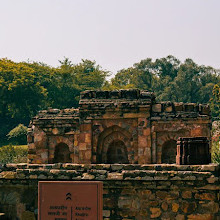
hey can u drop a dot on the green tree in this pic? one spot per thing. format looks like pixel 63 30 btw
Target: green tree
pixel 18 135
pixel 89 76
pixel 22 93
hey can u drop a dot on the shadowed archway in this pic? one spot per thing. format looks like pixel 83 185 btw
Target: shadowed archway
pixel 117 152
pixel 114 146
pixel 62 154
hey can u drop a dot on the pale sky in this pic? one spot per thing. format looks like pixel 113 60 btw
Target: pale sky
pixel 114 33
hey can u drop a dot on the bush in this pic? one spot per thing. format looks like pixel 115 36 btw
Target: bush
pixel 18 135
pixel 13 154
pixel 215 152
pixel 216 141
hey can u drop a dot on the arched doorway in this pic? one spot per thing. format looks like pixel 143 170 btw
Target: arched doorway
pixel 62 154
pixel 169 152
pixel 117 152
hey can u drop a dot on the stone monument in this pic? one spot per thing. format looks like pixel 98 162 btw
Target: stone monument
pixel 124 126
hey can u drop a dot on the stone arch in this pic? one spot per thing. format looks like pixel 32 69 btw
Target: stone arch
pixel 54 141
pixel 169 149
pixel 114 135
pixel 62 153
pixel 163 137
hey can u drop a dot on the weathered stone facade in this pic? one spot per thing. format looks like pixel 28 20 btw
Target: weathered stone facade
pixel 138 192
pixel 125 126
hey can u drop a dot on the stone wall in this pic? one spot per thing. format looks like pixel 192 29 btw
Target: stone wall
pixel 186 192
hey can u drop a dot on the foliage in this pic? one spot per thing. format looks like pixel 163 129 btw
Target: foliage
pixel 26 88
pixel 216 141
pixel 20 90
pixel 215 101
pixel 13 154
pixel 18 135
pixel 215 152
pixel 169 79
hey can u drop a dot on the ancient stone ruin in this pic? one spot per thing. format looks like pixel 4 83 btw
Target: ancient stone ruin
pixel 130 128
pixel 125 126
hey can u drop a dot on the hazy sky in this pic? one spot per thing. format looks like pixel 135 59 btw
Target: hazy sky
pixel 115 33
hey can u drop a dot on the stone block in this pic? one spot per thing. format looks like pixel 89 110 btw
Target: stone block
pixel 8 174
pixel 212 179
pixel 124 202
pixel 204 109
pixel 81 138
pixel 196 132
pixel 102 94
pixel 114 94
pixel 164 206
pixel 187 194
pixel 180 217
pixel 130 94
pixel 190 107
pixel 86 94
pixel 55 131
pixel 142 142
pixel 87 176
pixel 88 138
pixel 147 95
pixel 178 106
pixel 168 108
pixel 88 156
pixel 210 207
pixel 155 212
pixel 82 146
pixel 175 207
pixel 161 194
pixel 106 213
pixel 200 217
pixel 115 176
pixel 157 108
pixel 146 132
pixel 188 207
pixel 205 196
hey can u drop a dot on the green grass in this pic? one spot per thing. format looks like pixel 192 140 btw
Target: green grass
pixel 13 154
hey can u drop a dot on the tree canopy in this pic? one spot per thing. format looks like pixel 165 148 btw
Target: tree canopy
pixel 169 79
pixel 27 87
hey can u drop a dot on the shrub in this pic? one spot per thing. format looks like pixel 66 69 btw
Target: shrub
pixel 18 135
pixel 216 142
pixel 13 154
pixel 215 152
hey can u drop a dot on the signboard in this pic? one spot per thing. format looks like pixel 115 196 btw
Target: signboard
pixel 69 200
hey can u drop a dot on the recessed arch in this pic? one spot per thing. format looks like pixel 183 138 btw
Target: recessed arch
pixel 118 136
pixel 62 153
pixel 117 152
pixel 165 136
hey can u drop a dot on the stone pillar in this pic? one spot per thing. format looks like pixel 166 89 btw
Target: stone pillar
pixel 85 142
pixel 144 141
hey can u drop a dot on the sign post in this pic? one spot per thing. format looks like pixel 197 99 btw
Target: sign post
pixel 70 200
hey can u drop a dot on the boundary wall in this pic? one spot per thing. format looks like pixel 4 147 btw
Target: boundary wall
pixel 142 192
